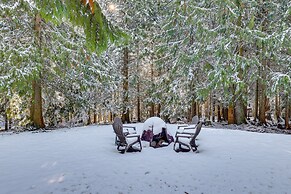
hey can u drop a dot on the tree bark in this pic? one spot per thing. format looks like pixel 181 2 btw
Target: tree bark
pixel 262 89
pixel 287 113
pixel 277 108
pixel 138 89
pixel 219 113
pixel 95 118
pixel 89 117
pixel 240 106
pixel 36 105
pixel 6 120
pixel 262 97
pixel 125 111
pixel 152 105
pixel 159 110
pixel 225 113
pixel 256 104
pixel 230 114
pixel 36 101
pixel 240 116
pixel 138 103
pixel 193 110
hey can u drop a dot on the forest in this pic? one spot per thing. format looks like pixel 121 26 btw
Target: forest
pixel 79 62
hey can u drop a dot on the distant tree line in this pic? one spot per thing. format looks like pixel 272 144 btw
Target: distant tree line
pixel 72 62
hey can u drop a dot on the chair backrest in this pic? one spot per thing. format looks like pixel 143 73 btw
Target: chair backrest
pixel 198 129
pixel 118 129
pixel 195 120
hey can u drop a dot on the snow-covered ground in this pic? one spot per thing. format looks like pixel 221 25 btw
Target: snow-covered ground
pixel 85 160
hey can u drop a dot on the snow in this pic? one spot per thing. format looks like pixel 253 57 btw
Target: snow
pixel 154 123
pixel 85 160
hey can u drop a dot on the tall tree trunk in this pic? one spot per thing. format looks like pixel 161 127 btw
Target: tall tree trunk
pixel 287 112
pixel 277 108
pixel 212 109
pixel 89 117
pixel 240 106
pixel 262 96
pixel 125 111
pixel 152 109
pixel 95 118
pixel 219 113
pixel 138 103
pixel 36 101
pixel 256 104
pixel 198 110
pixel 6 120
pixel 4 109
pixel 225 113
pixel 263 69
pixel 152 105
pixel 240 116
pixel 159 110
pixel 231 107
pixel 36 104
pixel 230 114
pixel 138 89
pixel 193 109
pixel 209 108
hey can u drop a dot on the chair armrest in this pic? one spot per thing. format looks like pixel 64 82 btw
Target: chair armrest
pixel 180 126
pixel 132 135
pixel 187 133
pixel 184 136
pixel 129 129
pixel 187 128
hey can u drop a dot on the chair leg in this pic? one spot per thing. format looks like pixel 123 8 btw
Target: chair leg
pixel 174 148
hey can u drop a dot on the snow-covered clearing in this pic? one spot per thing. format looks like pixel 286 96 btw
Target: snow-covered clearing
pixel 85 160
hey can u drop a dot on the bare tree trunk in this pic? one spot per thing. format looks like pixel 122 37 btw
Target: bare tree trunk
pixel 36 105
pixel 36 101
pixel 287 113
pixel 239 104
pixel 152 105
pixel 231 107
pixel 212 109
pixel 193 110
pixel 4 110
pixel 138 103
pixel 138 90
pixel 225 113
pixel 262 98
pixel 138 109
pixel 262 89
pixel 159 110
pixel 277 108
pixel 6 121
pixel 95 118
pixel 209 108
pixel 110 116
pixel 152 109
pixel 89 117
pixel 125 111
pixel 256 104
pixel 230 114
pixel 240 116
pixel 218 113
pixel 198 110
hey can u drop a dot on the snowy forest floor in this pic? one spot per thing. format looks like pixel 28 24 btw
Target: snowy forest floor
pixel 85 160
pixel 252 128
